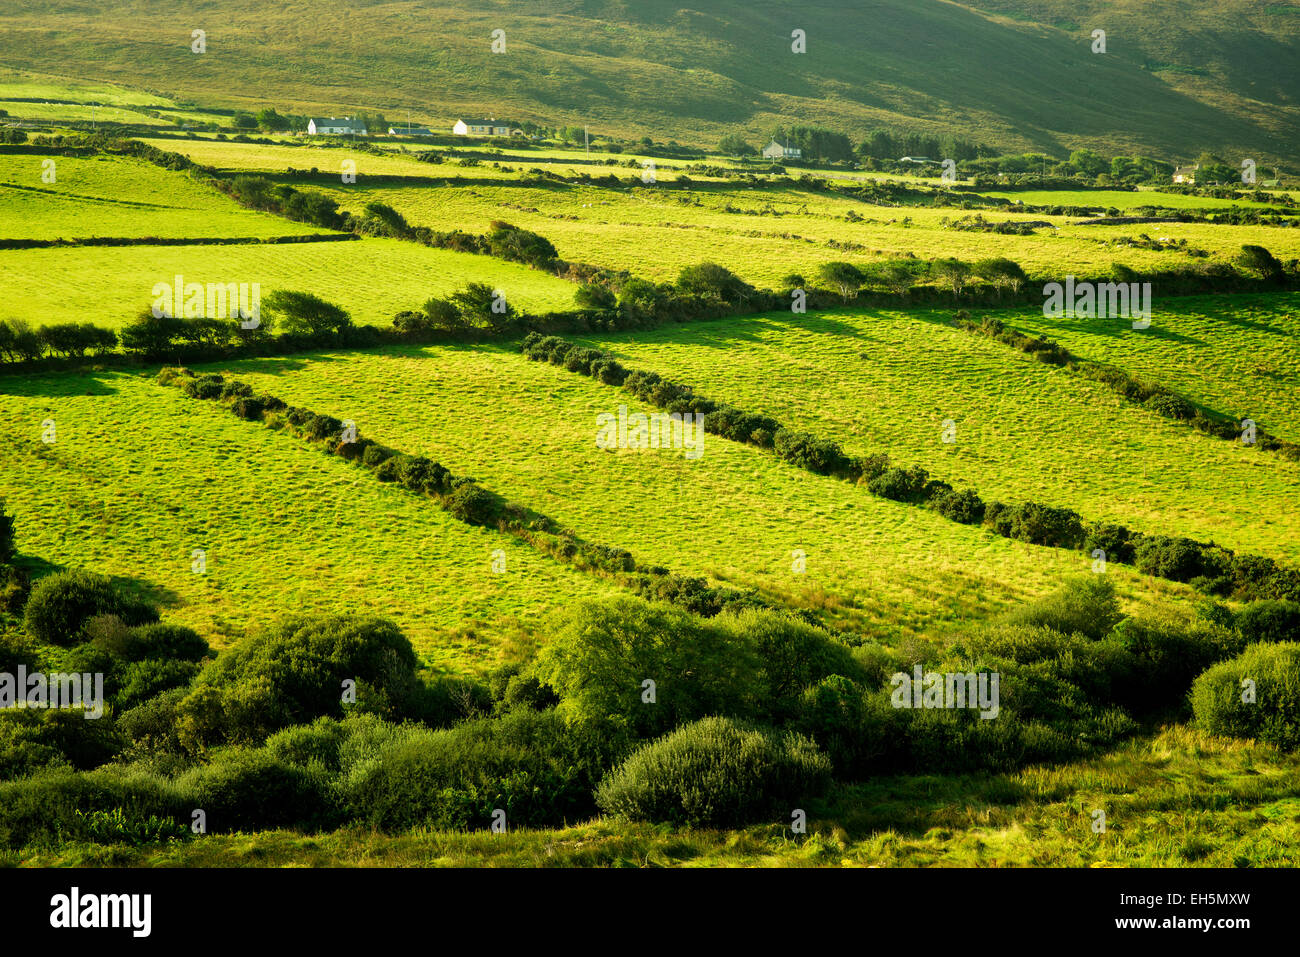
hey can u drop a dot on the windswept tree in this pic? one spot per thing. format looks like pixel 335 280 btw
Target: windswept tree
pixel 952 273
pixel 1001 273
pixel 484 306
pixel 304 314
pixel 845 277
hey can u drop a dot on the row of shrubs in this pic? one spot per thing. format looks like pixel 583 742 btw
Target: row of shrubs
pixel 1205 565
pixel 749 715
pixel 463 497
pixel 1155 397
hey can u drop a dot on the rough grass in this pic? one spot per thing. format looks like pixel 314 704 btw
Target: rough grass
pixel 886 381
pixel 140 475
pixel 373 279
pixel 1237 355
pixel 121 197
pixel 528 431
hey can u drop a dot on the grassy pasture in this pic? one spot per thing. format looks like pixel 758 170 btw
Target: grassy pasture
pixel 140 475
pixel 885 381
pixel 373 279
pixel 763 234
pixel 1119 199
pixel 735 514
pixel 1237 355
pixel 121 197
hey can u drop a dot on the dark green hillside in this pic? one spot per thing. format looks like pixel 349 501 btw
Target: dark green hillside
pixel 1179 77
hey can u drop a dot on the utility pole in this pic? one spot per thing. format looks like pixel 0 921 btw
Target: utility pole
pixel 586 142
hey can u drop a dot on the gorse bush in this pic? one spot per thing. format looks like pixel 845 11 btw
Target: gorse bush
pixel 1085 605
pixel 717 773
pixel 1256 695
pixel 61 604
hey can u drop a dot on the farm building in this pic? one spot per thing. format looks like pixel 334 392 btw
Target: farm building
pixel 775 150
pixel 481 128
pixel 1186 174
pixel 409 131
pixel 336 126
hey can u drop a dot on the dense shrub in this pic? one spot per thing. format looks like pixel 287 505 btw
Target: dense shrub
pixel 472 503
pixel 53 805
pixel 61 604
pixel 1181 559
pixel 1036 523
pixel 900 484
pixel 717 773
pixel 1223 703
pixel 536 767
pixel 809 452
pixel 6 534
pixel 1269 621
pixel 243 790
pixel 599 656
pixel 32 739
pixel 964 506
pixel 293 672
pixel 1116 541
pixel 1086 605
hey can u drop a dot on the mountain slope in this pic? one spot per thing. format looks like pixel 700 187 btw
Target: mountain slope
pixel 1178 77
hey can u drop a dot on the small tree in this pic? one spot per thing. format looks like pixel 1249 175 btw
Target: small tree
pixel 481 305
pixel 1001 273
pixel 1260 260
pixel 845 277
pixel 951 272
pixel 302 313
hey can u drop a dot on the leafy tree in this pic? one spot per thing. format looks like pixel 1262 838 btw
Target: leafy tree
pixel 845 277
pixel 303 313
pixel 595 296
pixel 61 604
pixel 951 272
pixel 711 281
pixel 483 306
pixel 269 119
pixel 1001 273
pixel 1260 260
pixel 151 336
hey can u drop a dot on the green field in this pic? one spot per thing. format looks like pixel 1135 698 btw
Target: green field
pixel 1238 357
pixel 104 468
pixel 121 197
pixel 374 279
pixel 528 431
pixel 139 476
pixel 885 381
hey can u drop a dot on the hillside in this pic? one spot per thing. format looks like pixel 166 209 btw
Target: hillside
pixel 1178 77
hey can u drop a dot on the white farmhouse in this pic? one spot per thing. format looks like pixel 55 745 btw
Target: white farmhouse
pixel 480 128
pixel 336 126
pixel 775 150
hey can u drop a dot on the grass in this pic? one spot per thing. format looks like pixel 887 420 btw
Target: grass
pixel 1236 355
pixel 766 233
pixel 373 279
pixel 879 380
pixel 736 514
pixel 1176 798
pixel 121 197
pixel 140 475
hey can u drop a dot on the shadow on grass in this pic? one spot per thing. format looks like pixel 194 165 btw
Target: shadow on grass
pixel 37 568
